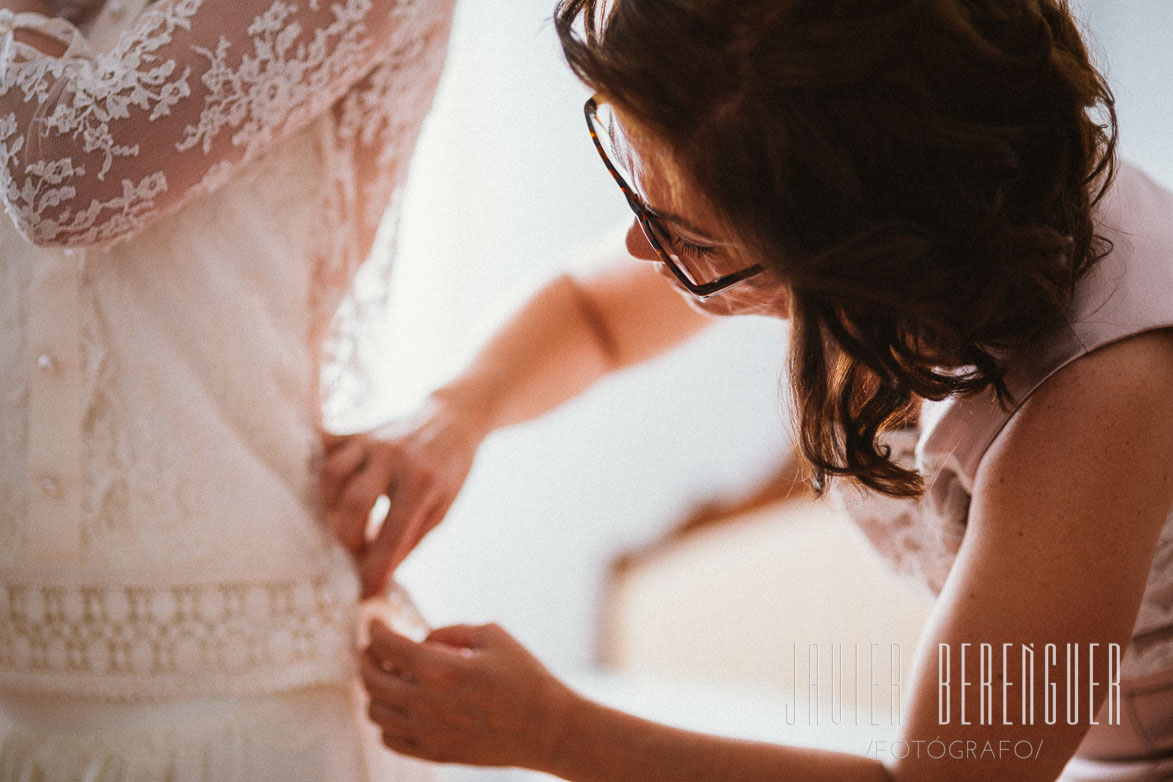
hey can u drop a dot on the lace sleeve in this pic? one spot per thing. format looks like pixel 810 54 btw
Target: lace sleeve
pixel 95 145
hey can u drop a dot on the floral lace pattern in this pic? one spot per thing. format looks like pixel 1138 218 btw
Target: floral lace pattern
pixel 255 98
pixel 153 642
pixel 897 527
pixel 81 136
pixel 227 166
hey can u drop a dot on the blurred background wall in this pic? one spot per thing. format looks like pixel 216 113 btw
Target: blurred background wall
pixel 507 191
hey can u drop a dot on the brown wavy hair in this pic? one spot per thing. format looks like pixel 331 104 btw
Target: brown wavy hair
pixel 921 174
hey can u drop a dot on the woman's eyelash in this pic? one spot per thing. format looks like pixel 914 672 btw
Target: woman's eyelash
pixel 695 250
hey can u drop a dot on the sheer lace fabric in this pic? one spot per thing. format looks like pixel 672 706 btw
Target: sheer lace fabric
pixel 96 144
pixel 192 187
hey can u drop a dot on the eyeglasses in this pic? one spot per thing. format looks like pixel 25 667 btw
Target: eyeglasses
pixel 696 266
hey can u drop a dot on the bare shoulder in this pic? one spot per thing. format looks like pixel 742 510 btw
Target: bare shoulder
pixel 1066 513
pixel 1131 379
pixel 1131 363
pixel 1095 439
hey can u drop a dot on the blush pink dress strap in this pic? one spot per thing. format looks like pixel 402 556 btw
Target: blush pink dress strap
pixel 1129 292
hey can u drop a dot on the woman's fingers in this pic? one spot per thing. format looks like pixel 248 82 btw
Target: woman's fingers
pixel 386 684
pixel 411 505
pixel 390 696
pixel 390 649
pixel 388 716
pixel 418 462
pixel 461 636
pixel 340 463
pixel 353 479
pixel 331 441
pixel 406 674
pixel 467 694
pixel 411 688
pixel 352 511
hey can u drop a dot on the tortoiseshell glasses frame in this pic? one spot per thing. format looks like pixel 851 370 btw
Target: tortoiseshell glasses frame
pixel 652 227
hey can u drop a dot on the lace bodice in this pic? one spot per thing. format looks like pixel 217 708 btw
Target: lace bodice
pixel 95 144
pixel 1128 292
pixel 192 188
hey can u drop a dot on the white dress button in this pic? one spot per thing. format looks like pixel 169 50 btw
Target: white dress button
pixel 46 363
pixel 51 487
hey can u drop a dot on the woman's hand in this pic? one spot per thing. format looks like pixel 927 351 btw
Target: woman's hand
pixel 418 462
pixel 470 695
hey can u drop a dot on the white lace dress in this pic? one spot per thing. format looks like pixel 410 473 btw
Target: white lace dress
pixel 192 186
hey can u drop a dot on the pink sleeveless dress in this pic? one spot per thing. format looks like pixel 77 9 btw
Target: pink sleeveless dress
pixel 1129 292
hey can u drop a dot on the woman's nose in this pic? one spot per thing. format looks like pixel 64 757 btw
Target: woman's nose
pixel 638 245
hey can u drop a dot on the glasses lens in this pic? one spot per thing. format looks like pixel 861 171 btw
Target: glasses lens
pixel 614 144
pixel 700 261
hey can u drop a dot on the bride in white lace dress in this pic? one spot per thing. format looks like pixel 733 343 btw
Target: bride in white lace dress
pixel 192 185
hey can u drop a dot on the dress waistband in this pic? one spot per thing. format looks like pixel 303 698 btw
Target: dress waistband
pixel 140 642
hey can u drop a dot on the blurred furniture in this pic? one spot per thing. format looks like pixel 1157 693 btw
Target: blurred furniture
pixel 723 624
pixel 779 595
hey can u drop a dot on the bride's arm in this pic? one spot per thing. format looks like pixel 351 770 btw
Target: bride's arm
pixel 95 145
pixel 30 35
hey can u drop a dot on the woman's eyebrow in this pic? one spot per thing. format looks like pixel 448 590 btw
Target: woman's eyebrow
pixel 687 226
pixel 669 217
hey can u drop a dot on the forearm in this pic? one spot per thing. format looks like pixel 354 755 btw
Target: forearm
pixel 599 744
pixel 546 353
pixel 27 6
pixel 33 38
pixel 569 335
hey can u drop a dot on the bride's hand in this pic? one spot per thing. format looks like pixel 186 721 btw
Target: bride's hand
pixel 470 695
pixel 418 462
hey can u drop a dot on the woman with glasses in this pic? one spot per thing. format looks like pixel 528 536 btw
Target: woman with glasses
pixel 981 354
